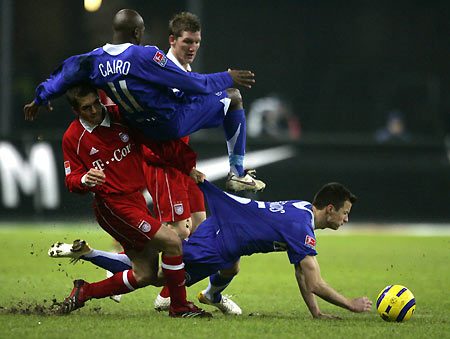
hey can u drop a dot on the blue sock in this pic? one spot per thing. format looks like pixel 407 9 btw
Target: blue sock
pixel 113 262
pixel 217 284
pixel 234 126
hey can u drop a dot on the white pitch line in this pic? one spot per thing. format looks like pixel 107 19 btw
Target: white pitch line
pixel 218 168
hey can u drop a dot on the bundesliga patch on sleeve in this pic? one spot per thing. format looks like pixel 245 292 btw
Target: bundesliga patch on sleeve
pixel 67 167
pixel 310 242
pixel 160 59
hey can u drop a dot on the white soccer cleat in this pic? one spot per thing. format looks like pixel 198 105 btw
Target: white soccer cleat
pixel 226 305
pixel 116 298
pixel 73 251
pixel 161 303
pixel 246 183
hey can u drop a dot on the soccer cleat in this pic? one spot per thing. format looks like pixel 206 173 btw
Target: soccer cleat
pixel 74 251
pixel 226 305
pixel 116 297
pixel 190 311
pixel 246 183
pixel 76 299
pixel 161 303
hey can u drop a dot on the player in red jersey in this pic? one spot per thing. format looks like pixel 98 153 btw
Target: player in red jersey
pixel 102 156
pixel 176 197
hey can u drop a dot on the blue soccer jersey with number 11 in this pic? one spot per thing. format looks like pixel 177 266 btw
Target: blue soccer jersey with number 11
pixel 139 79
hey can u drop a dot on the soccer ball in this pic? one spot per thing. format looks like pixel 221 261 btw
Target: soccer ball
pixel 396 303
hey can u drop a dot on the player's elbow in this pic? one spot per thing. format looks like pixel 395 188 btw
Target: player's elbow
pixel 315 287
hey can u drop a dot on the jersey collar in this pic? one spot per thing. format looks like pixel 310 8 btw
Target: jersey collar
pixel 172 57
pixel 116 49
pixel 106 123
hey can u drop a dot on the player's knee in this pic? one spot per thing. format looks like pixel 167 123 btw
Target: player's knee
pixel 182 228
pixel 236 99
pixel 183 232
pixel 172 245
pixel 146 278
pixel 230 271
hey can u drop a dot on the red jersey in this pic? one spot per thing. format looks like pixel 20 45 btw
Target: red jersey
pixel 108 147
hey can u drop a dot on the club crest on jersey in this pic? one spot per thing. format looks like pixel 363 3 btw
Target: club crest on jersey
pixel 277 206
pixel 178 208
pixel 124 137
pixel 310 242
pixel 160 59
pixel 144 226
pixel 67 167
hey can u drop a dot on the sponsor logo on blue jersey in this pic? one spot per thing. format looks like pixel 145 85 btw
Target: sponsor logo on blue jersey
pixel 160 59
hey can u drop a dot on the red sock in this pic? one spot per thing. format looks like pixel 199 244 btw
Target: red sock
pixel 173 269
pixel 164 292
pixel 119 283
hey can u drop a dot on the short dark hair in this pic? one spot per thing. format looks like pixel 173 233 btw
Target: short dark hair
pixel 79 91
pixel 184 22
pixel 335 194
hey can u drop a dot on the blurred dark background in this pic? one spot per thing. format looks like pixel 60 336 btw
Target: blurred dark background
pixel 362 87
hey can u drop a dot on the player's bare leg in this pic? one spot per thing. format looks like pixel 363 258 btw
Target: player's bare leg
pixel 182 228
pixel 197 219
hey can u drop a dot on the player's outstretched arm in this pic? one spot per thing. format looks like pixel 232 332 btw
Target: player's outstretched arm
pixel 308 296
pixel 316 285
pixel 32 109
pixel 242 78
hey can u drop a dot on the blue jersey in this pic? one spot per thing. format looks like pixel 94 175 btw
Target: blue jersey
pixel 240 226
pixel 138 79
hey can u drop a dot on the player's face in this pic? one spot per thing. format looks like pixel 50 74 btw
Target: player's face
pixel 337 218
pixel 186 46
pixel 90 109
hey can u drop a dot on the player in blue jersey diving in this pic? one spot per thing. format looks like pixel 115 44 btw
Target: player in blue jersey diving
pixel 140 80
pixel 240 226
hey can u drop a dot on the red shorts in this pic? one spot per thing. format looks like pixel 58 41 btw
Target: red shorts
pixel 126 218
pixel 175 195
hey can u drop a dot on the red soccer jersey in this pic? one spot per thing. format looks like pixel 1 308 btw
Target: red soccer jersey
pixel 108 147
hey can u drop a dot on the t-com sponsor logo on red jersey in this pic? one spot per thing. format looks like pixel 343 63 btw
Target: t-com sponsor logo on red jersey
pixel 118 155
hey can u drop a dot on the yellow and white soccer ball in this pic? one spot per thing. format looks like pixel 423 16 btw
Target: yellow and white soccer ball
pixel 396 303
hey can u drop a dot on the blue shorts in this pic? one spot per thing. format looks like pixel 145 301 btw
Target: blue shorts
pixel 193 112
pixel 201 253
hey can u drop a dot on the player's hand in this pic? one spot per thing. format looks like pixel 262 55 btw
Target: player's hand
pixel 196 175
pixel 32 109
pixel 361 304
pixel 326 316
pixel 242 78
pixel 95 177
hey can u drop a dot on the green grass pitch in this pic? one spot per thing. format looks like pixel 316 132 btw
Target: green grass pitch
pixel 266 290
